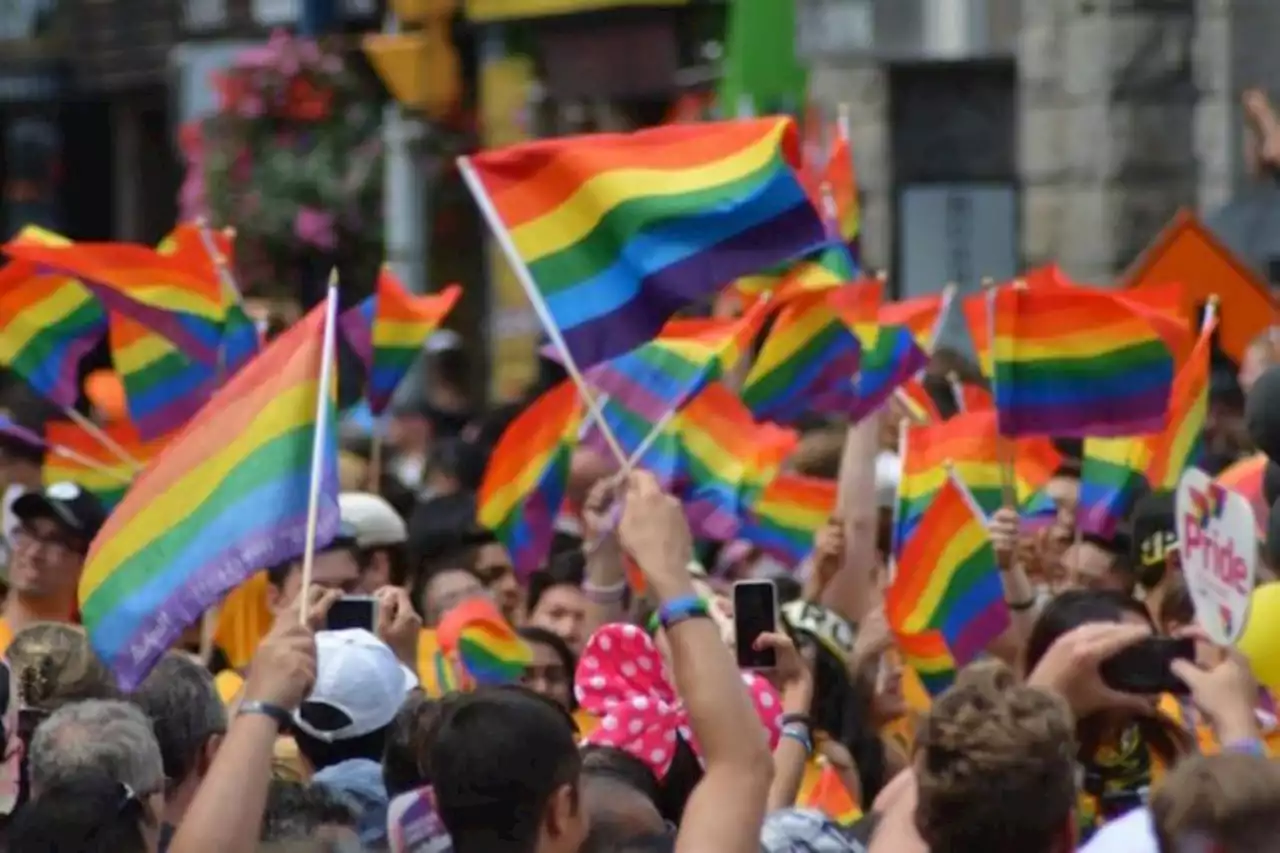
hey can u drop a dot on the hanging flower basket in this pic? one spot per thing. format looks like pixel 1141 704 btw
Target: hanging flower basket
pixel 292 159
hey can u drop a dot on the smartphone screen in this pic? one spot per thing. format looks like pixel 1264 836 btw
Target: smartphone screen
pixel 755 612
pixel 1144 667
pixel 352 611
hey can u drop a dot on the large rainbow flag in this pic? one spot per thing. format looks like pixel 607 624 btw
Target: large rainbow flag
pixel 619 231
pixel 227 498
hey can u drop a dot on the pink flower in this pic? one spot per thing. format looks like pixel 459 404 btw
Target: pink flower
pixel 316 228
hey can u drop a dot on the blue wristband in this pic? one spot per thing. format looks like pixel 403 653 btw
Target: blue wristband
pixel 799 733
pixel 1250 746
pixel 677 610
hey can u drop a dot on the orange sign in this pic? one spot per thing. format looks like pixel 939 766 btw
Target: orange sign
pixel 1185 252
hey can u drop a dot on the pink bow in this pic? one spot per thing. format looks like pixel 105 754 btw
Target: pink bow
pixel 621 680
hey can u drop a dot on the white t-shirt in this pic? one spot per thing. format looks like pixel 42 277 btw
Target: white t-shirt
pixel 1132 833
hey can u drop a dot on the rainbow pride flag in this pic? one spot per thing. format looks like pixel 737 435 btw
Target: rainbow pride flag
pixel 893 360
pixel 163 388
pixel 821 788
pixel 225 499
pixel 1037 512
pixel 786 516
pixel 1112 472
pixel 48 323
pixel 977 454
pixel 808 356
pixel 927 655
pixel 95 468
pixel 947 579
pixel 827 268
pixel 1181 443
pixel 1077 362
pixel 177 295
pixel 388 329
pixel 476 635
pixel 619 231
pixel 524 483
pixel 843 181
pixel 922 316
pixel 919 403
pixel 660 376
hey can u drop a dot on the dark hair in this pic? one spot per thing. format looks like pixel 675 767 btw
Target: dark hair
pixel 279 573
pixel 457 459
pixel 565 569
pixel 404 759
pixel 398 562
pixel 1075 607
pixel 322 754
pixel 498 757
pixel 296 810
pixel 185 710
pixel 553 641
pixel 90 814
pixel 841 707
pixel 618 764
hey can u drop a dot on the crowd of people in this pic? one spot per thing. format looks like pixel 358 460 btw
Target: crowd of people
pixel 632 728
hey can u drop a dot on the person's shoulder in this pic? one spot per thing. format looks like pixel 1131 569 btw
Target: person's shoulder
pixel 1133 833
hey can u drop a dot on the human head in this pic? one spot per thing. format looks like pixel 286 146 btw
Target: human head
pixel 87 812
pixel 408 744
pixel 995 767
pixel 359 688
pixel 381 540
pixel 1154 540
pixel 493 566
pixel 506 770
pixel 188 718
pixel 53 534
pixel 111 737
pixel 550 673
pixel 52 665
pixel 444 583
pixel 1227 803
pixel 556 600
pixel 1099 564
pixel 297 812
pixel 336 566
pixel 619 796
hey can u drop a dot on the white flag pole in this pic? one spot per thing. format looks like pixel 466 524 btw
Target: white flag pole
pixel 320 439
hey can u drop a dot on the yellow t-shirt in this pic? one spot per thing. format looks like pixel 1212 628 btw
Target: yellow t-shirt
pixel 6 636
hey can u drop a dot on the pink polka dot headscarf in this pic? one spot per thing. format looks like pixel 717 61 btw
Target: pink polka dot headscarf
pixel 621 680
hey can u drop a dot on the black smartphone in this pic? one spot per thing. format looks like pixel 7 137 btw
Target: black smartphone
pixel 352 611
pixel 755 612
pixel 1144 667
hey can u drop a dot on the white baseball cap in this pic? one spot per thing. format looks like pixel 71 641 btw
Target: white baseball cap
pixel 374 520
pixel 359 676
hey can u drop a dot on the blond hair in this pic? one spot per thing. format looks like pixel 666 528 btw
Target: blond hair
pixel 54 665
pixel 995 766
pixel 1231 801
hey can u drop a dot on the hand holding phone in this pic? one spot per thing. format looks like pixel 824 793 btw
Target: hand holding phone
pixel 1144 667
pixel 755 612
pixel 353 611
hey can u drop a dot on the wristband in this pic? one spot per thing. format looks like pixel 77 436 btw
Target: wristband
pixel 1249 746
pixel 803 719
pixel 282 717
pixel 799 733
pixel 1021 606
pixel 614 593
pixel 677 610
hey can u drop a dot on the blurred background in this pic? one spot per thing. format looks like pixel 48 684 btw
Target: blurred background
pixel 989 135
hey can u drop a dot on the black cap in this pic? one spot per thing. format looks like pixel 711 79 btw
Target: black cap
pixel 1155 530
pixel 345 539
pixel 68 504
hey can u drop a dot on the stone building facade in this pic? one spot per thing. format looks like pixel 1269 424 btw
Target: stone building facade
pixel 1121 111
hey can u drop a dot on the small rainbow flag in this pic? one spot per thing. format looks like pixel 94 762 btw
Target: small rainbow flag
pixel 1245 478
pixel 484 643
pixel 922 315
pixel 662 375
pixel 947 579
pixel 1077 362
pixel 48 323
pixel 176 295
pixel 893 360
pixel 786 516
pixel 226 497
pixel 1182 442
pixel 1112 471
pixel 821 788
pixel 387 331
pixel 829 267
pixel 843 181
pixel 977 455
pixel 919 403
pixel 163 388
pixel 1038 512
pixel 524 483
pixel 809 354
pixel 95 468
pixel 927 655
pixel 619 231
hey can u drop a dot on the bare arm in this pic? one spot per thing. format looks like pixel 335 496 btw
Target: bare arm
pixel 851 592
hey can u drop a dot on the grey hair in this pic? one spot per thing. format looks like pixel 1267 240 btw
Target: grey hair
pixel 109 737
pixel 185 710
